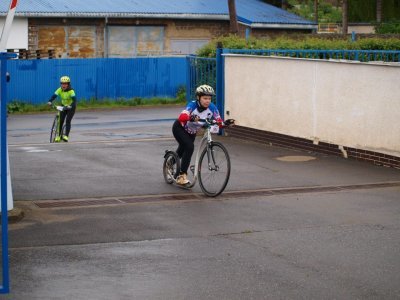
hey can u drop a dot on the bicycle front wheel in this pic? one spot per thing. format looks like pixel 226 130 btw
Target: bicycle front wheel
pixel 53 131
pixel 214 169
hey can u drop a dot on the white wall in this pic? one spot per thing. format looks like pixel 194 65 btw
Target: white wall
pixel 367 29
pixel 18 38
pixel 345 103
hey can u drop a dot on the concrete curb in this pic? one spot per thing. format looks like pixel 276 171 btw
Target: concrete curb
pixel 15 215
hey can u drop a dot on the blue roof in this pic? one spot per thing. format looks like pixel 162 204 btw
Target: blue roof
pixel 248 11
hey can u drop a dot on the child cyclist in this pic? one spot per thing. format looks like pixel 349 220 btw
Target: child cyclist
pixel 187 125
pixel 68 99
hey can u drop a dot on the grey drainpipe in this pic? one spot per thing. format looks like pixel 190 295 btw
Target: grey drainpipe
pixel 105 37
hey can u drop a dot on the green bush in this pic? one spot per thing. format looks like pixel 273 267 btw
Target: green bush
pixel 15 106
pixel 21 107
pixel 307 43
pixel 181 94
pixel 388 27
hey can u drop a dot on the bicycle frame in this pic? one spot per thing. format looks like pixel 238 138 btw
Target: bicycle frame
pixel 205 141
pixel 59 109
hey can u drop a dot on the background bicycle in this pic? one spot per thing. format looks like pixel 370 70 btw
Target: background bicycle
pixel 56 123
pixel 212 165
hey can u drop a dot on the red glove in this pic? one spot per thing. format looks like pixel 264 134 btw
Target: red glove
pixel 183 117
pixel 220 122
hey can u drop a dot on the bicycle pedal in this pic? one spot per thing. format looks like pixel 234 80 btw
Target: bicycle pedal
pixel 185 187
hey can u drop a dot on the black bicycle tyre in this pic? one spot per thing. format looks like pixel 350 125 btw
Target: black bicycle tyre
pixel 206 189
pixel 53 131
pixel 171 157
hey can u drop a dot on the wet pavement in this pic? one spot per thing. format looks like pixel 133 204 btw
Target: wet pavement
pixel 101 223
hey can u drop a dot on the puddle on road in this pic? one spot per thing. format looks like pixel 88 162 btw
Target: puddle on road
pixel 295 158
pixel 36 150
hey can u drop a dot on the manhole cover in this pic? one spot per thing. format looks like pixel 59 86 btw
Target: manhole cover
pixel 296 158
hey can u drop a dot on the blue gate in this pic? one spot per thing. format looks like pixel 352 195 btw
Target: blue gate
pixel 5 287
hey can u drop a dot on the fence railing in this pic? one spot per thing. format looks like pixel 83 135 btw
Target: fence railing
pixel 201 70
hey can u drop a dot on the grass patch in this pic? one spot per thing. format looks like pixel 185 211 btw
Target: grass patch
pixel 19 107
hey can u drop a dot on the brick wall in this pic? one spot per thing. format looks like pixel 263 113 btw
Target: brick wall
pixel 282 140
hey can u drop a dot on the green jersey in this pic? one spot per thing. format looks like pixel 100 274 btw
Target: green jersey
pixel 65 96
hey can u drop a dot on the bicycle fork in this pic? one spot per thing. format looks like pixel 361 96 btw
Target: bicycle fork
pixel 212 165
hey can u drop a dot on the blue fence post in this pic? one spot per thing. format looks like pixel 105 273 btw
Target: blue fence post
pixel 247 33
pixel 5 287
pixel 220 79
pixel 189 59
pixel 353 36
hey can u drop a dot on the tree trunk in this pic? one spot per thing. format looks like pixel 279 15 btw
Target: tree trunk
pixel 234 28
pixel 316 11
pixel 379 11
pixel 345 7
pixel 284 4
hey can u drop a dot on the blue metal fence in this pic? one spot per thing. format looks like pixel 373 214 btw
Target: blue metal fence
pixel 34 81
pixel 201 70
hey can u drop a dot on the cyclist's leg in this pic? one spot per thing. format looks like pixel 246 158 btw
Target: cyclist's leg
pixel 61 118
pixel 186 145
pixel 70 115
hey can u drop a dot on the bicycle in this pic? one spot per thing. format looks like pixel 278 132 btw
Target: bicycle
pixel 54 128
pixel 212 165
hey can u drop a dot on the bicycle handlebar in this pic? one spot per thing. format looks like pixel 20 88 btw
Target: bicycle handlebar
pixel 210 122
pixel 60 107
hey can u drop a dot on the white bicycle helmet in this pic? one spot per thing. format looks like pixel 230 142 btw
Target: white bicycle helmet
pixel 205 90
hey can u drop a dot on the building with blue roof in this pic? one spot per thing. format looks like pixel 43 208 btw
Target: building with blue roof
pixel 125 28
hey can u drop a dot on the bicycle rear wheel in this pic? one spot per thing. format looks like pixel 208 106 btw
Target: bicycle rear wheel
pixel 53 131
pixel 171 166
pixel 214 169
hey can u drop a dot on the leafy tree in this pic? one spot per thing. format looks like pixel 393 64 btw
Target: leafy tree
pixel 326 12
pixel 330 11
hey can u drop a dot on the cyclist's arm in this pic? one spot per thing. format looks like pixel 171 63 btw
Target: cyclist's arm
pixel 216 115
pixel 73 104
pixel 52 98
pixel 186 113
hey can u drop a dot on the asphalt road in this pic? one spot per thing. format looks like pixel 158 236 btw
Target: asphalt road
pixel 100 223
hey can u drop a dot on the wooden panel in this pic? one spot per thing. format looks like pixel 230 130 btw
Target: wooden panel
pixel 81 41
pixel 68 41
pixel 52 37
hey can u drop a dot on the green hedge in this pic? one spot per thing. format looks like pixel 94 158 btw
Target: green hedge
pixel 308 43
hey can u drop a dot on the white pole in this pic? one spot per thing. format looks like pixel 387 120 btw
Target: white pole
pixel 7 25
pixel 3 45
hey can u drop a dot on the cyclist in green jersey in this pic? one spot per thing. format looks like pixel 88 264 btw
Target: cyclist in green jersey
pixel 68 99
